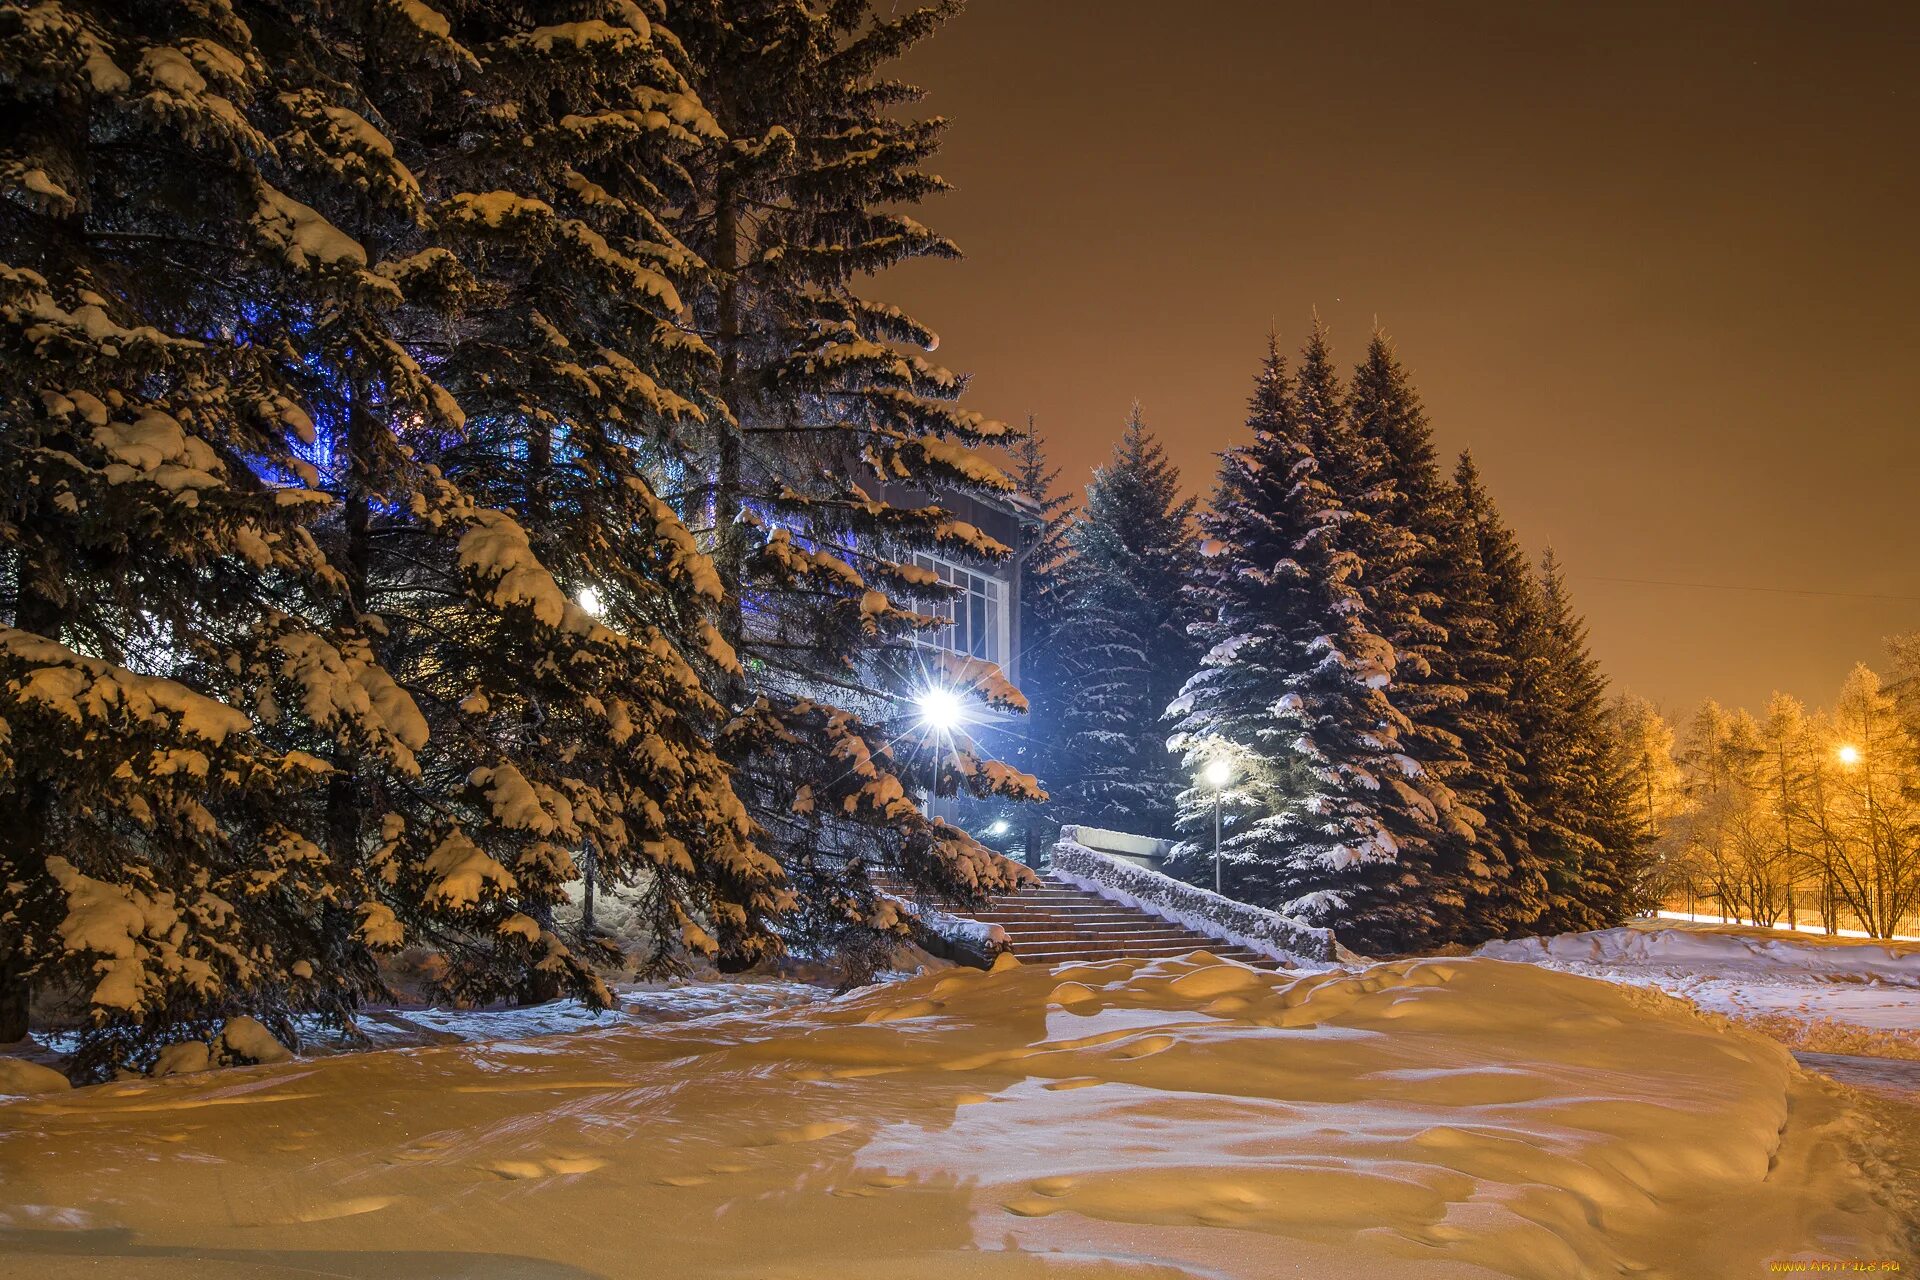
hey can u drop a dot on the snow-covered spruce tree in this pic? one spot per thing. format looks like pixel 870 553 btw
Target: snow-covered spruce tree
pixel 1574 846
pixel 822 478
pixel 1429 603
pixel 1589 829
pixel 496 431
pixel 1127 613
pixel 1506 702
pixel 1046 642
pixel 1476 657
pixel 160 858
pixel 1291 695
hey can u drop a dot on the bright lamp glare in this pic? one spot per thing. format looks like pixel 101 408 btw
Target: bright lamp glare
pixel 1849 754
pixel 1219 773
pixel 998 827
pixel 590 601
pixel 940 710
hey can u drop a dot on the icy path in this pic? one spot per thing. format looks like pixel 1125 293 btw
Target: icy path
pixel 1895 1078
pixel 1431 1119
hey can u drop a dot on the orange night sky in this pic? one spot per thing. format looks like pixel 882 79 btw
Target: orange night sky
pixel 1654 264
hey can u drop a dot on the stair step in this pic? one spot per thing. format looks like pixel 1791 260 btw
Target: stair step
pixel 1085 913
pixel 1055 923
pixel 1175 946
pixel 1140 933
pixel 1124 952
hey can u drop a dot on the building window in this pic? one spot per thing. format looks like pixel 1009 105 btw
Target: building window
pixel 978 623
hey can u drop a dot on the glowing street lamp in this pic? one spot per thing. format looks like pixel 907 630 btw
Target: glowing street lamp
pixel 1218 774
pixel 940 709
pixel 590 601
pixel 1849 754
pixel 998 827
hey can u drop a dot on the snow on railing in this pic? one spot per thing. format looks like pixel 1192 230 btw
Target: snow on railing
pixel 1200 910
pixel 951 937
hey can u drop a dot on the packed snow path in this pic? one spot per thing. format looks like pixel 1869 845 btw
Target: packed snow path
pixel 1179 1117
pixel 1815 994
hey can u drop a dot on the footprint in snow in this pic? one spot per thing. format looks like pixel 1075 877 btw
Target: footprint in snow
pixel 520 1170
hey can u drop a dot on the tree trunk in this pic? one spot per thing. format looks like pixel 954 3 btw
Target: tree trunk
pixel 25 838
pixel 729 551
pixel 590 883
pixel 344 816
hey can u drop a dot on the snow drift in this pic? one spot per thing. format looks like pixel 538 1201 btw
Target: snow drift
pixel 1813 994
pixel 1191 1117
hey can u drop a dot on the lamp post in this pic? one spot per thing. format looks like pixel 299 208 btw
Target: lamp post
pixel 1219 773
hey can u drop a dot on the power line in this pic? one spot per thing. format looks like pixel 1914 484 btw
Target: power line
pixel 1726 586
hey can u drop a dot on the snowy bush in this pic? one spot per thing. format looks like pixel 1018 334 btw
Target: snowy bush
pixel 1198 909
pixel 244 1042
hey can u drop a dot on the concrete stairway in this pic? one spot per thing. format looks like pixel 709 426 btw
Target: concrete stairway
pixel 1055 923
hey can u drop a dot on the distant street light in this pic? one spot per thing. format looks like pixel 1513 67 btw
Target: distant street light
pixel 590 601
pixel 998 827
pixel 1849 754
pixel 1218 775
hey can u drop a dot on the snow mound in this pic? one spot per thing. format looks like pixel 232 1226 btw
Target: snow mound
pixel 18 1076
pixel 1457 1118
pixel 182 1058
pixel 244 1040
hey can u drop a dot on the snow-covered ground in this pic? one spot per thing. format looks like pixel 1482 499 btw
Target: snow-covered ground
pixel 399 1027
pixel 1781 927
pixel 1821 995
pixel 1439 1119
pixel 640 1003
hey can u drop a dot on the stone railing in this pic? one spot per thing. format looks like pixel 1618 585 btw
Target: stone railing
pixel 1200 910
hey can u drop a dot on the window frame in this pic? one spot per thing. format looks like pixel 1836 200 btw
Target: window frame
pixel 992 620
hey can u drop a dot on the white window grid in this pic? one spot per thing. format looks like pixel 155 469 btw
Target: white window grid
pixel 978 623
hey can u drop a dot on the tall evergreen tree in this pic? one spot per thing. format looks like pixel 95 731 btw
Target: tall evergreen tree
pixel 302 751
pixel 1426 593
pixel 1046 643
pixel 1490 787
pixel 163 859
pixel 1594 842
pixel 583 395
pixel 820 481
pixel 1507 704
pixel 1569 828
pixel 1291 696
pixel 1127 617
